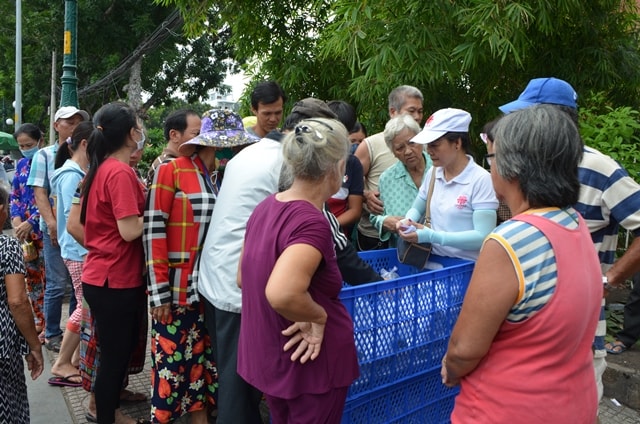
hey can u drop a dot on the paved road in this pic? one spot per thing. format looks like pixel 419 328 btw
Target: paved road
pixel 67 406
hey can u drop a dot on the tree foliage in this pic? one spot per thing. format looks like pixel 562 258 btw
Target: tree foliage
pixel 614 130
pixel 109 32
pixel 473 54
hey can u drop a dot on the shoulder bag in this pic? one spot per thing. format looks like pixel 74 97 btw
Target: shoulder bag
pixel 417 254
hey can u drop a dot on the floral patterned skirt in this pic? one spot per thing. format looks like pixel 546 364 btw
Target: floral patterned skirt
pixel 184 377
pixel 35 284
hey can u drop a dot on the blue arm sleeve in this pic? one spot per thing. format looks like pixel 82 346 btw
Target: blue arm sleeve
pixel 484 221
pixel 417 210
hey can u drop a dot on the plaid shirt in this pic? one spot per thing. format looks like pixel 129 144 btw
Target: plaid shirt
pixel 41 173
pixel 176 220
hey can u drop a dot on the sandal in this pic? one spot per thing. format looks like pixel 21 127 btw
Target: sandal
pixel 615 348
pixel 67 381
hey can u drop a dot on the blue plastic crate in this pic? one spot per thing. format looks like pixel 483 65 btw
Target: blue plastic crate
pixel 402 326
pixel 388 258
pixel 422 399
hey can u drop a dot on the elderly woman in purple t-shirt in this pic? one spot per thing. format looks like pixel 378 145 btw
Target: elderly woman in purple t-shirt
pixel 296 337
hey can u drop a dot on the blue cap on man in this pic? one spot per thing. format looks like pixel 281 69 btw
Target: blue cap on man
pixel 544 91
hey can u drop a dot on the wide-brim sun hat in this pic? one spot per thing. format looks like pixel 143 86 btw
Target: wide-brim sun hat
pixel 442 122
pixel 220 128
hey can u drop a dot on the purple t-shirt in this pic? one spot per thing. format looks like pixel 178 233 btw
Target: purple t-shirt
pixel 273 227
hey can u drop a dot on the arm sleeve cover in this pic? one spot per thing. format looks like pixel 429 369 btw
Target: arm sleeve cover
pixel 417 210
pixel 484 221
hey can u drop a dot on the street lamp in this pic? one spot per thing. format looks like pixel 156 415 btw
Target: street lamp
pixel 69 93
pixel 8 122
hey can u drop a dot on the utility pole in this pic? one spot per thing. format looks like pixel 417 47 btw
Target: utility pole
pixel 69 95
pixel 52 101
pixel 17 104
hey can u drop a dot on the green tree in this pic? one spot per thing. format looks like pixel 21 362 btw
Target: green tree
pixel 113 33
pixel 474 54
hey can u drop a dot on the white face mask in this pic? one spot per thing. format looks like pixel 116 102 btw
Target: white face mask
pixel 140 144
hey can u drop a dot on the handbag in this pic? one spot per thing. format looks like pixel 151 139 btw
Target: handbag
pixel 417 254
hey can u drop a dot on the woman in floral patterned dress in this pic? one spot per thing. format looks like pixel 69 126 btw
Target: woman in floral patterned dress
pixel 25 218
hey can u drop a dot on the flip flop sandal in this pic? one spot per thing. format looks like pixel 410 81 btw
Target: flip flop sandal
pixel 65 381
pixel 90 418
pixel 615 348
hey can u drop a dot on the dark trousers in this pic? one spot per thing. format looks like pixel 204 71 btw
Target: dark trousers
pixel 630 333
pixel 238 401
pixel 116 314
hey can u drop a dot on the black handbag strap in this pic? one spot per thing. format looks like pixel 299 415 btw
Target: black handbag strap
pixel 427 213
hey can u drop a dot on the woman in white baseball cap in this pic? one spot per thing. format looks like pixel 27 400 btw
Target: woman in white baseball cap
pixel 463 202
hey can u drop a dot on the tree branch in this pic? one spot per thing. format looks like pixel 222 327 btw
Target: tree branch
pixel 164 31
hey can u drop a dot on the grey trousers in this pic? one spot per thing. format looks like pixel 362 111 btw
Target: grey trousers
pixel 238 401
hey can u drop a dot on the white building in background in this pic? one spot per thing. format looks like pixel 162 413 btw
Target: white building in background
pixel 220 101
pixel 237 83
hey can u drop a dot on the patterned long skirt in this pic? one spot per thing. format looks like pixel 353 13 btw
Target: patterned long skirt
pixel 14 405
pixel 184 377
pixel 90 349
pixel 35 284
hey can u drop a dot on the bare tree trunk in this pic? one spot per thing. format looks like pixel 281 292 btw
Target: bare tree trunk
pixel 134 88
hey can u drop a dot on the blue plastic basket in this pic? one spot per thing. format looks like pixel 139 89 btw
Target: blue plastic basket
pixel 421 400
pixel 402 326
pixel 388 258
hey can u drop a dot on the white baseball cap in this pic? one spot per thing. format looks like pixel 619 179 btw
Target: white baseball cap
pixel 68 111
pixel 442 122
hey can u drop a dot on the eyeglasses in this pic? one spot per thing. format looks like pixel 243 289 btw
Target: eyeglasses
pixel 488 157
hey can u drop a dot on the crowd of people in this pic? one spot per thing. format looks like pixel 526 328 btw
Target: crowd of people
pixel 240 272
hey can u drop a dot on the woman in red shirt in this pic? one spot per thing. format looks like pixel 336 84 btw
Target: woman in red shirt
pixel 112 276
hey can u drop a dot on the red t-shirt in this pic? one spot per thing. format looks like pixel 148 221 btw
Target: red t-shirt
pixel 115 194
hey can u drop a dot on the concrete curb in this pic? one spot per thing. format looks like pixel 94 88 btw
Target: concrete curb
pixel 622 378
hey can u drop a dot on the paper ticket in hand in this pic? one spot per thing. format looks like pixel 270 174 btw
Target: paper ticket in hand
pixel 408 229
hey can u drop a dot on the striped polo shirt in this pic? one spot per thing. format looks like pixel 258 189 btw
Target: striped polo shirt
pixel 533 259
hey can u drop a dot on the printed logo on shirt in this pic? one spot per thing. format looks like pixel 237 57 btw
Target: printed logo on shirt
pixel 461 201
